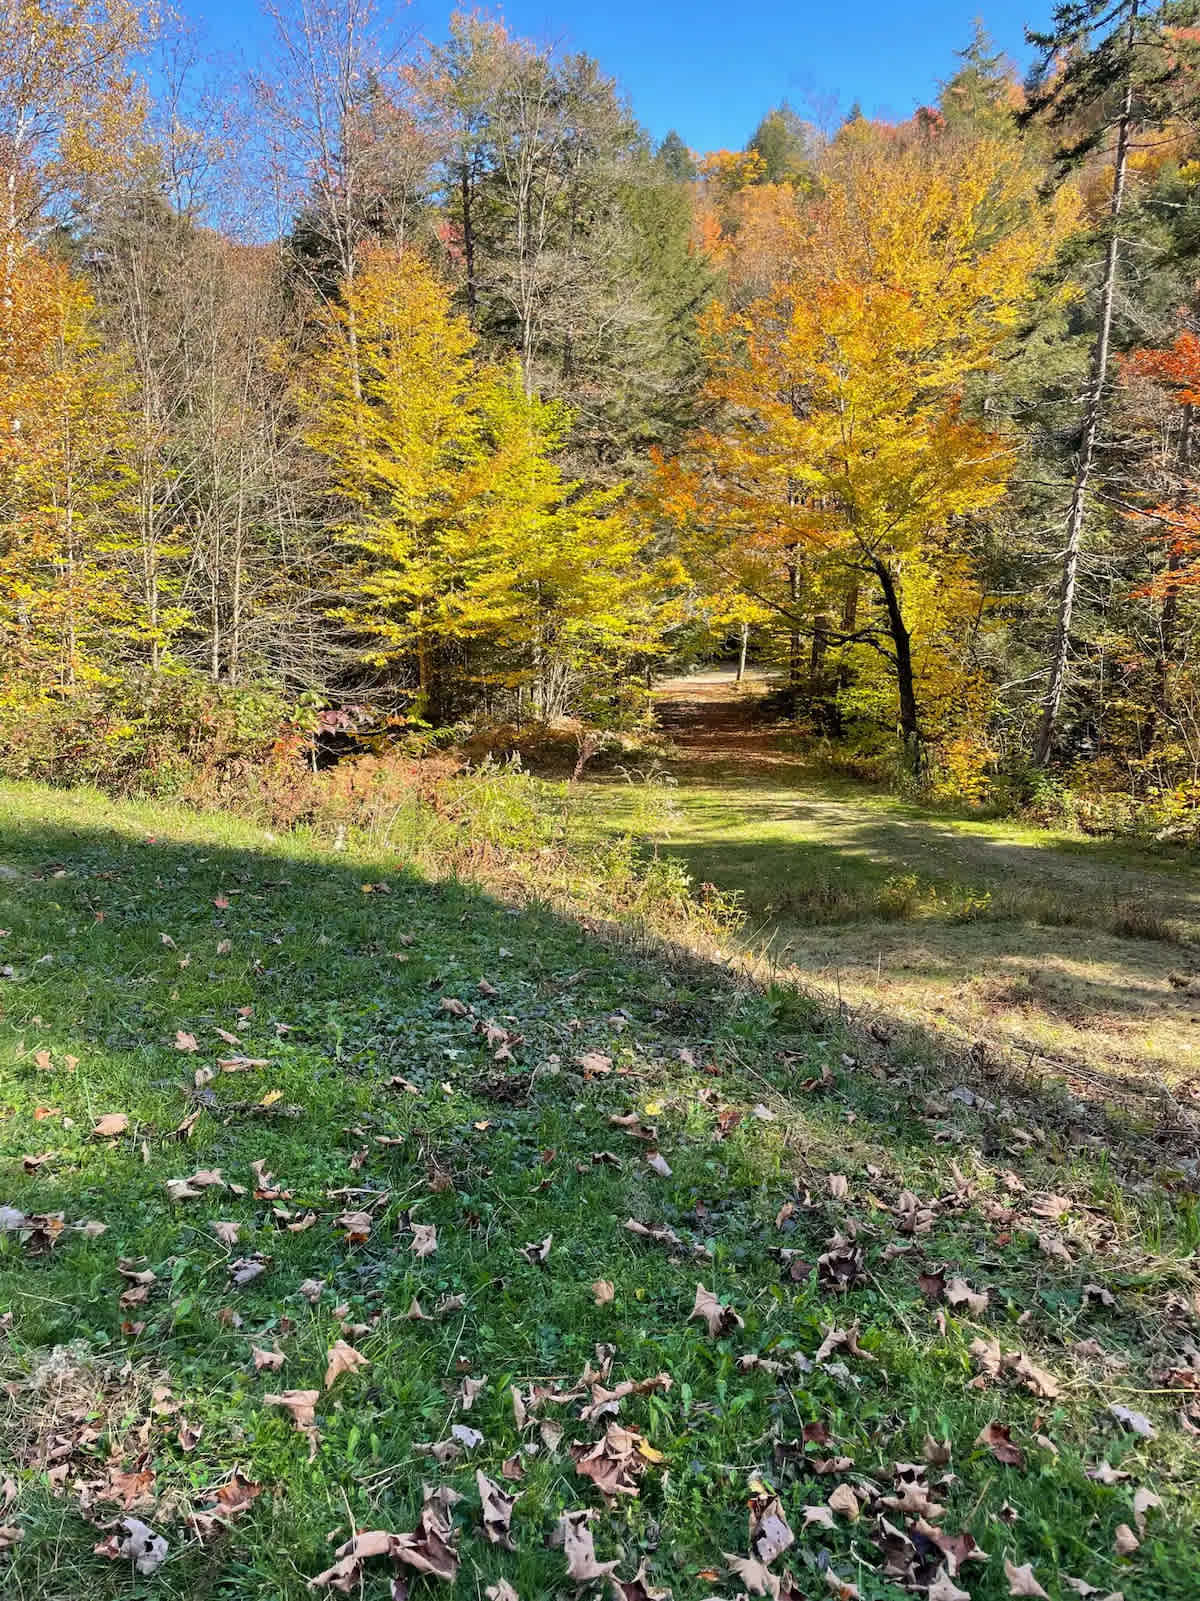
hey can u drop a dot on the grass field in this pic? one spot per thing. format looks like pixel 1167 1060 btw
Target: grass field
pixel 383 1090
pixel 1079 958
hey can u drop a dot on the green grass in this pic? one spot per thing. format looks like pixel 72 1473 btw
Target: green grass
pixel 339 989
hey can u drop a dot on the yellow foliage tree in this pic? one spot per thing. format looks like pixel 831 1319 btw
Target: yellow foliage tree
pixel 466 531
pixel 842 458
pixel 64 596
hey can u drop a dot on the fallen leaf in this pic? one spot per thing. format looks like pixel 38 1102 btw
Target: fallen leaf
pixel 1137 1421
pixel 356 1224
pixel 1143 1502
pixel 469 1390
pixel 185 1041
pixel 497 1509
pixel 1125 1542
pixel 770 1535
pixel 758 1579
pixel 997 1438
pixel 719 1319
pixel 1021 1581
pixel 575 1538
pixel 593 1063
pixel 845 1502
pixel 944 1588
pixel 272 1361
pixel 603 1290
pixel 114 1123
pixel 343 1358
pixel 959 1293
pixel 424 1241
pixel 227 1233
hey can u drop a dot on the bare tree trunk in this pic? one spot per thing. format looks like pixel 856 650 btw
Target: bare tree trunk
pixel 910 726
pixel 741 667
pixel 1087 447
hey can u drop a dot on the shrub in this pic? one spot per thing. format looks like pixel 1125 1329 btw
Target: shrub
pixel 156 733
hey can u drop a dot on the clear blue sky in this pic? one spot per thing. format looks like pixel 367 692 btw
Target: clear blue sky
pixel 710 68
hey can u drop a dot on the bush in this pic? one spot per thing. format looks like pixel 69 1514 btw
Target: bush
pixel 154 734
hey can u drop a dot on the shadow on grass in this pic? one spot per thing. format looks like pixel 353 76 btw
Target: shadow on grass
pixel 152 958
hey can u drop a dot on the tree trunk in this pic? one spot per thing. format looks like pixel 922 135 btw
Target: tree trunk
pixel 910 727
pixel 795 643
pixel 1087 446
pixel 468 244
pixel 741 667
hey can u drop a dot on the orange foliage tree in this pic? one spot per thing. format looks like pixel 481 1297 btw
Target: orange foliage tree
pixel 842 459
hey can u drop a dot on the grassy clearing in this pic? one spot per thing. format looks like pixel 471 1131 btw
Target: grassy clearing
pixel 817 1182
pixel 1078 957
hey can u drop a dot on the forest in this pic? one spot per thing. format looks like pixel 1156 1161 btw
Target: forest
pixel 599 820
pixel 405 388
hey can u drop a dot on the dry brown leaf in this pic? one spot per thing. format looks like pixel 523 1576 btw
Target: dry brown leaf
pixel 272 1361
pixel 770 1535
pixel 343 1358
pixel 497 1509
pixel 575 1538
pixel 944 1588
pixel 1143 1502
pixel 603 1290
pixel 301 1404
pixel 997 1438
pixel 959 1293
pixel 1125 1542
pixel 719 1319
pixel 424 1240
pixel 1021 1581
pixel 185 1041
pixel 357 1225
pixel 537 1250
pixel 115 1123
pixel 593 1063
pixel 758 1579
pixel 468 1390
pixel 226 1232
pixel 844 1502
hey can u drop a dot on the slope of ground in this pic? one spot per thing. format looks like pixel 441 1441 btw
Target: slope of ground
pixel 1078 957
pixel 323 1182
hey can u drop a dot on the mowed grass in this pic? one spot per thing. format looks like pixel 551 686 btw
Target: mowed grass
pixel 815 1183
pixel 1059 951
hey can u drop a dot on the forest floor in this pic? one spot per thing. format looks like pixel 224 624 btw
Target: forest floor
pixel 1078 958
pixel 324 1181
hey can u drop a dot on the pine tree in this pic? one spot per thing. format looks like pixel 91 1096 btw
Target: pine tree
pixel 1099 93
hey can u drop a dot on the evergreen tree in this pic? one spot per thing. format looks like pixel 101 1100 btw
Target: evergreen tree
pixel 981 97
pixel 783 140
pixel 1098 94
pixel 676 159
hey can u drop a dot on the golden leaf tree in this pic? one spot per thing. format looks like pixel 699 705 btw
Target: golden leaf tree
pixel 467 535
pixel 842 461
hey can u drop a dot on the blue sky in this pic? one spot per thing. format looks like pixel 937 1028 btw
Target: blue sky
pixel 710 68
